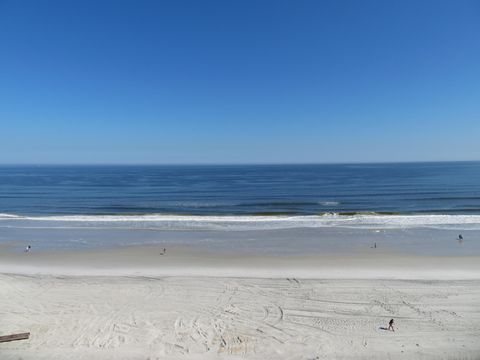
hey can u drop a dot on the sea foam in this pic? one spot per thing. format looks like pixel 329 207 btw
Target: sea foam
pixel 243 222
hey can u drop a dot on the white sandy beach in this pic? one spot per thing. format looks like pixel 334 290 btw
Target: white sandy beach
pixel 133 303
pixel 240 180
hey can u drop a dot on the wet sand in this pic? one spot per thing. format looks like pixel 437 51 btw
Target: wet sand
pixel 185 261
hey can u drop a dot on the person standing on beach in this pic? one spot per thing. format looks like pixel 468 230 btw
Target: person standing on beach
pixel 390 325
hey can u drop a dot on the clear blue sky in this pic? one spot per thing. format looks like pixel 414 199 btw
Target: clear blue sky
pixel 239 81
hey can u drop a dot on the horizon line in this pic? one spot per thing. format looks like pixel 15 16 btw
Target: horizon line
pixel 243 163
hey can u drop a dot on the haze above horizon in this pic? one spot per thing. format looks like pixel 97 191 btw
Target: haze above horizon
pixel 186 82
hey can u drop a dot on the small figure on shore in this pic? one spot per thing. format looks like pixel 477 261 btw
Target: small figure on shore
pixel 390 325
pixel 375 245
pixel 164 251
pixel 460 238
pixel 27 249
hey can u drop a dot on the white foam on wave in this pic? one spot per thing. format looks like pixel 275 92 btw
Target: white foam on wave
pixel 329 203
pixel 246 222
pixel 8 216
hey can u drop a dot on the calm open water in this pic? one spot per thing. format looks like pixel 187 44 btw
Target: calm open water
pixel 413 188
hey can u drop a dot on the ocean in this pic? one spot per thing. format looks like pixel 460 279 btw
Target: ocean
pixel 405 188
pixel 150 204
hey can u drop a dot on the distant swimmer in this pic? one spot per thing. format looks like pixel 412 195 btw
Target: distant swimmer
pixel 390 325
pixel 27 249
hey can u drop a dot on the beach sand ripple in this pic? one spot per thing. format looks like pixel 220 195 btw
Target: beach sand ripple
pixel 92 317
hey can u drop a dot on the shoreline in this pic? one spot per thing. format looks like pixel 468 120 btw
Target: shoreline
pixel 142 260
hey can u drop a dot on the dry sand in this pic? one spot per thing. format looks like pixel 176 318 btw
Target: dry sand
pixel 88 315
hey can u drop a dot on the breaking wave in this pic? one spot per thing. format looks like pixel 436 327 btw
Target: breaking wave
pixel 247 222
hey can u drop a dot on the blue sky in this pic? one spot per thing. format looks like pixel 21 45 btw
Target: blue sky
pixel 239 81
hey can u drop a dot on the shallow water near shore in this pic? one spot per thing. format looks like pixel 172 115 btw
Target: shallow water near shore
pixel 276 242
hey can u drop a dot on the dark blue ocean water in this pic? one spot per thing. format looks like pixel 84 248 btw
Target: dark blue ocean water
pixel 445 188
